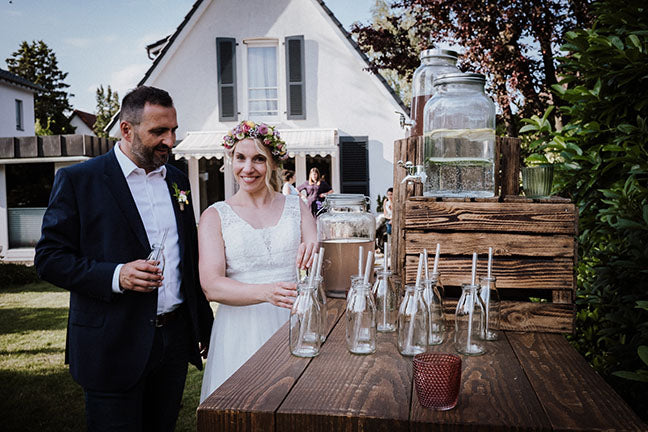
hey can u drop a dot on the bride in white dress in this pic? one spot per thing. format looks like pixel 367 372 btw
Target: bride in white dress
pixel 249 246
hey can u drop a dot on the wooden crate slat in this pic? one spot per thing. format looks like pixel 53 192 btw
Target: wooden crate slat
pixel 504 245
pixel 556 274
pixel 549 218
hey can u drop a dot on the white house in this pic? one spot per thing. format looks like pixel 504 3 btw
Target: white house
pixel 83 122
pixel 16 105
pixel 291 64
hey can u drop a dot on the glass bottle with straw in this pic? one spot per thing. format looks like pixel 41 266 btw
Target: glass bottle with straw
pixel 305 320
pixel 432 297
pixel 490 297
pixel 413 318
pixel 321 295
pixel 386 298
pixel 361 315
pixel 468 317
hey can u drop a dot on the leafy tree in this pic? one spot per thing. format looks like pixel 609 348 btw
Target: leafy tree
pixel 513 43
pixel 37 63
pixel 107 107
pixel 604 146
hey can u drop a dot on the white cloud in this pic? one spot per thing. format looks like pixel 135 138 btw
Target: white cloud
pixel 128 77
pixel 78 42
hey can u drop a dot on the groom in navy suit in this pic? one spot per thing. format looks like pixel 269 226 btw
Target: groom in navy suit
pixel 134 325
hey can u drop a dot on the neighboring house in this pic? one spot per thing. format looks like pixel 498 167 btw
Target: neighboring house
pixel 83 122
pixel 16 105
pixel 291 64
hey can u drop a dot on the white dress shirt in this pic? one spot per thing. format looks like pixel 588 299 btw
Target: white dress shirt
pixel 155 207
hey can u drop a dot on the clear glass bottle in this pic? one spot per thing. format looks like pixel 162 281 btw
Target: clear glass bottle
pixel 490 297
pixel 361 320
pixel 434 62
pixel 305 321
pixel 412 322
pixel 157 254
pixel 459 143
pixel 321 299
pixel 436 318
pixel 343 226
pixel 386 298
pixel 468 317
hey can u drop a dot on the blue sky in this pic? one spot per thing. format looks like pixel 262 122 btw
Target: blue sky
pixel 103 41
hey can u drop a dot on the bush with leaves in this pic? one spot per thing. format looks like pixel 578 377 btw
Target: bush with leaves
pixel 604 146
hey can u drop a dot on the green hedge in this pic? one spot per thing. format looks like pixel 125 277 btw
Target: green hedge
pixel 16 274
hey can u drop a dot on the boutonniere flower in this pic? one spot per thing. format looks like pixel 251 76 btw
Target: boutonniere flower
pixel 181 195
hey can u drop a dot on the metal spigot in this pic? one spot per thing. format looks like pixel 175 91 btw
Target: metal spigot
pixel 415 173
pixel 402 120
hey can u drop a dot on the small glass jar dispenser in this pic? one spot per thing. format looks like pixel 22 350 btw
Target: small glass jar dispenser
pixel 490 296
pixel 305 322
pixel 386 298
pixel 342 227
pixel 468 321
pixel 361 320
pixel 459 138
pixel 434 62
pixel 436 318
pixel 413 322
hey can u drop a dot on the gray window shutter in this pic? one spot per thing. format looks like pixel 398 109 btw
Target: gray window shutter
pixel 354 164
pixel 295 78
pixel 226 58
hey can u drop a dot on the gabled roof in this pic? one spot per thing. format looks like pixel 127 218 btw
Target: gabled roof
pixel 87 118
pixel 195 7
pixel 20 81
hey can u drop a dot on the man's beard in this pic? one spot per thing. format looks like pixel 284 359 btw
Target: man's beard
pixel 147 157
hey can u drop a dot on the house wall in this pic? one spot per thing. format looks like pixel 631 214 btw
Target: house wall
pixel 8 95
pixel 81 127
pixel 339 93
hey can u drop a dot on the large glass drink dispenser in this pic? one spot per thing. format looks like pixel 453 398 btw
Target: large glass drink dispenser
pixel 434 62
pixel 459 138
pixel 342 228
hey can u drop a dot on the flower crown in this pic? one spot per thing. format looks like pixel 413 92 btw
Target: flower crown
pixel 263 132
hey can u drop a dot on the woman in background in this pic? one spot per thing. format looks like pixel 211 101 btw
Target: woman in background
pixel 288 187
pixel 316 190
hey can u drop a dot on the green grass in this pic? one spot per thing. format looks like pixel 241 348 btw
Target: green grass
pixel 37 392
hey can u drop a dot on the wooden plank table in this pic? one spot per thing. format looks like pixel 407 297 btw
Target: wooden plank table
pixel 526 382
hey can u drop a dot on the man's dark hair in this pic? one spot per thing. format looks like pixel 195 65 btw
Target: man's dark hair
pixel 133 103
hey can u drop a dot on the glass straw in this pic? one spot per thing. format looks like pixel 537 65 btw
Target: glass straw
pixel 360 253
pixel 490 261
pixel 471 304
pixel 425 263
pixel 436 259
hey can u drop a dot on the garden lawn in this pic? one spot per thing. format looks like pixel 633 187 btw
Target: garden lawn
pixel 37 392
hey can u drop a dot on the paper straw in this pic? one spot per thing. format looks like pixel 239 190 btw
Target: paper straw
pixel 490 261
pixel 367 272
pixel 471 304
pixel 420 269
pixel 311 277
pixel 298 273
pixel 318 273
pixel 436 259
pixel 425 263
pixel 385 267
pixel 474 268
pixel 360 253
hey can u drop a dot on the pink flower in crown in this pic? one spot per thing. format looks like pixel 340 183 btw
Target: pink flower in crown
pixel 263 129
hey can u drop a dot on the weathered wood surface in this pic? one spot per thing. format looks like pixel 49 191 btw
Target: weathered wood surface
pixel 572 394
pixel 525 382
pixel 508 179
pixel 361 392
pixel 239 406
pixel 514 217
pixel 495 395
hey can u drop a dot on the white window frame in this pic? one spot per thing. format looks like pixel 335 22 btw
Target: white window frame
pixel 263 43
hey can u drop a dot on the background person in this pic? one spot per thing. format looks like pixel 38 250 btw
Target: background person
pixel 316 190
pixel 131 329
pixel 387 209
pixel 288 187
pixel 249 247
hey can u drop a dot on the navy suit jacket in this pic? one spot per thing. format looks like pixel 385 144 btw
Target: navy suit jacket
pixel 91 225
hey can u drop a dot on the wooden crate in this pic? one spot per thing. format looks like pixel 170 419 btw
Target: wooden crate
pixel 533 242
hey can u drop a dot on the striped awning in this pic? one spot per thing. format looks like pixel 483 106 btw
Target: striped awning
pixel 311 142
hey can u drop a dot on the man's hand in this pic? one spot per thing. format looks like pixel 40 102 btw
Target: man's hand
pixel 140 275
pixel 204 349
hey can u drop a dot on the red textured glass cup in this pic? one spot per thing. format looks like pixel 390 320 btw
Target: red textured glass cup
pixel 437 379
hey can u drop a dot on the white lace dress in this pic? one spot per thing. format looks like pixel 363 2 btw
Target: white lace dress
pixel 253 256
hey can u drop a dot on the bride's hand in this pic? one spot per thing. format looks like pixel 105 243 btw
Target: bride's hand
pixel 282 294
pixel 305 254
